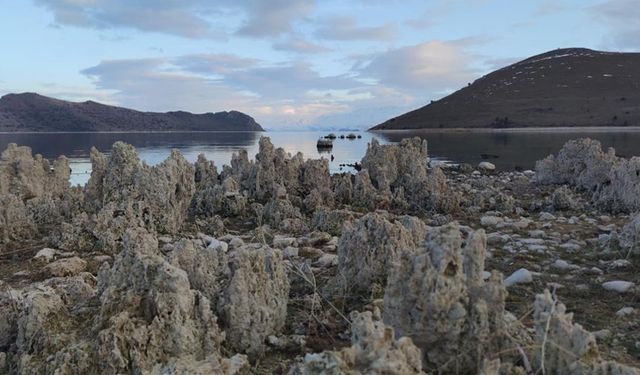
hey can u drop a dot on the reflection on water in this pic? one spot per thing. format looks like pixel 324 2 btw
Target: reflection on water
pixel 508 150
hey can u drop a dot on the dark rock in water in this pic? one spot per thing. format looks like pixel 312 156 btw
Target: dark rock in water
pixel 33 112
pixel 488 156
pixel 359 136
pixel 324 143
pixel 331 136
pixel 342 136
pixel 351 136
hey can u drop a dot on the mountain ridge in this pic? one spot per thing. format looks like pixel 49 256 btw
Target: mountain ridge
pixel 567 87
pixel 38 113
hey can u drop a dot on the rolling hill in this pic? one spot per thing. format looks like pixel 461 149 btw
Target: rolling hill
pixel 29 112
pixel 561 88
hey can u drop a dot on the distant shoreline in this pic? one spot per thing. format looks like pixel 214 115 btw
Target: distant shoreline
pixel 563 129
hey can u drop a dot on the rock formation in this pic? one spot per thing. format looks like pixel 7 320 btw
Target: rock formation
pixel 374 350
pixel 370 246
pixel 437 297
pixel 613 182
pixel 400 171
pixel 566 347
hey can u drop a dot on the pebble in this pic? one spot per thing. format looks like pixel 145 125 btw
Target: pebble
pixel 486 275
pixel 536 233
pixel 546 216
pixel 625 311
pixel 102 258
pixel 65 267
pixel 236 242
pixel 537 248
pixel 532 241
pixel 619 286
pixel 570 247
pixel 165 239
pixel 602 334
pixel 561 264
pixel 327 260
pixel 619 263
pixel 596 270
pixel 218 245
pixel 282 242
pixel 522 223
pixel 490 221
pixel 45 255
pixel 486 166
pixel 521 276
pixel 290 252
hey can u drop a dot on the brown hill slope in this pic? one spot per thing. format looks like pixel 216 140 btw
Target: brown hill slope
pixel 33 112
pixel 564 87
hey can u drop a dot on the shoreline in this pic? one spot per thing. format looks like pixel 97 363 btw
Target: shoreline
pixel 541 129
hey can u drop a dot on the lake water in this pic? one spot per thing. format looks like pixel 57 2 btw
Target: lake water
pixel 507 149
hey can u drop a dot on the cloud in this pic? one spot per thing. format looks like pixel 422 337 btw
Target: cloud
pixel 197 19
pixel 276 95
pixel 274 17
pixel 171 17
pixel 347 28
pixel 623 19
pixel 434 66
pixel 299 45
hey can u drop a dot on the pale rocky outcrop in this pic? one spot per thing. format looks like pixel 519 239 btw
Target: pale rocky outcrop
pixel 307 182
pixel 248 289
pixel 400 171
pixel 65 267
pixel 159 195
pixel 26 176
pixel 205 266
pixel 253 304
pixel 15 221
pixel 613 182
pixel 30 191
pixel 580 162
pixel 628 239
pixel 563 199
pixel 148 313
pixel 565 347
pixel 331 221
pixel 369 246
pixel 141 317
pixel 219 199
pixel 436 295
pixel 374 350
pixel 279 212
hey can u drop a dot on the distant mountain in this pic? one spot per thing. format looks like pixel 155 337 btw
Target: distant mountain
pixel 564 87
pixel 33 112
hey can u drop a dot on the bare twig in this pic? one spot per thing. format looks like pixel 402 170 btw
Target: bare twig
pixel 302 274
pixel 546 331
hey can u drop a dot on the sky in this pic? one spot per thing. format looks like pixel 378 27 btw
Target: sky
pixel 291 64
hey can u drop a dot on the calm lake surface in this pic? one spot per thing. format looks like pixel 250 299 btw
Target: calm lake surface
pixel 507 149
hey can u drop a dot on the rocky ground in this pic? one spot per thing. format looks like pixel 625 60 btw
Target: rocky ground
pixel 273 265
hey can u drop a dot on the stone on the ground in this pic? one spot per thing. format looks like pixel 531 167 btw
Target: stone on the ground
pixel 65 267
pixel 521 276
pixel 619 286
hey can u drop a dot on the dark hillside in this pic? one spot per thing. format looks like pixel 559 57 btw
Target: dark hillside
pixel 564 87
pixel 33 112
